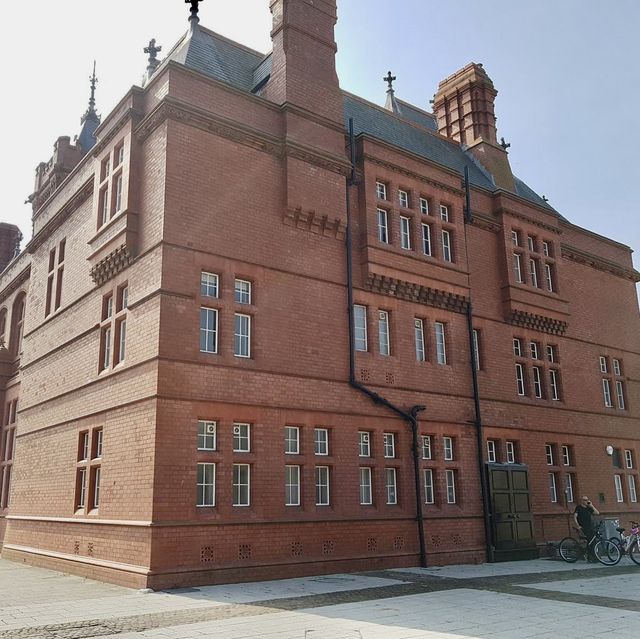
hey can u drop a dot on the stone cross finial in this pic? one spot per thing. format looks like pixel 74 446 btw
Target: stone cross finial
pixel 193 19
pixel 152 50
pixel 503 144
pixel 545 198
pixel 390 79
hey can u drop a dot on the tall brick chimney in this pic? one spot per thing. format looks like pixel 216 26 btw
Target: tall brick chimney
pixel 464 108
pixel 303 71
pixel 10 237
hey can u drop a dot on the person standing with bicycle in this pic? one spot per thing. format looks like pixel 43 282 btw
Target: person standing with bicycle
pixel 583 515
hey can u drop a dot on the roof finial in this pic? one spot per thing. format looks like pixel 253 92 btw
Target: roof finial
pixel 390 79
pixel 91 110
pixel 153 51
pixel 392 104
pixel 504 144
pixel 193 19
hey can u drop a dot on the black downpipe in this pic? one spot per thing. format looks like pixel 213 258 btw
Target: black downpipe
pixel 484 488
pixel 412 416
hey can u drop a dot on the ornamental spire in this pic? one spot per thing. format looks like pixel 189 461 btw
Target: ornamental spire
pixel 91 113
pixel 195 7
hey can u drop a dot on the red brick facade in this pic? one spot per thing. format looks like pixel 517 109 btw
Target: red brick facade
pixel 191 175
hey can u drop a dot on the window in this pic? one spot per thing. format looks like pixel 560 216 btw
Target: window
pixel 241 438
pixel 551 353
pixel 553 382
pixel 207 435
pixel 88 469
pixel 209 284
pixel 447 443
pixel 537 382
pixel 451 486
pixel 118 155
pixel 546 251
pixel 17 324
pixel 517 347
pixel 103 207
pixel 419 335
pixel 531 244
pixel 441 346
pixel 552 488
pixel 603 365
pixel 491 450
pixel 292 486
pixel 390 481
pixel 117 203
pixel 121 340
pixel 633 495
pixel 566 456
pixel 515 238
pixel 606 392
pixel 628 458
pixel 242 336
pixel 428 486
pixel 322 485
pixel 383 227
pixel 383 332
pixel 381 190
pixel 618 484
pixel 403 198
pixel 206 485
pixel 617 370
pixel 533 268
pixel 569 488
pixel 620 394
pixel 95 487
pixel 55 277
pixel 520 380
pixel 549 453
pixel 476 349
pixel 83 453
pixel 444 213
pixel 424 206
pixel 242 292
pixel 405 233
pixel 426 447
pixel 534 350
pixel 321 441
pixel 360 327
pixel 208 330
pixel 426 239
pixel 241 484
pixel 113 327
pixel 517 268
pixel 446 246
pixel 549 273
pixel 81 488
pixel 97 444
pixel 389 443
pixel 292 440
pixel 511 452
pixel 365 487
pixel 364 444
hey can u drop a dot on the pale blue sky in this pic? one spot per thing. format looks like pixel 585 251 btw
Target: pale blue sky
pixel 566 72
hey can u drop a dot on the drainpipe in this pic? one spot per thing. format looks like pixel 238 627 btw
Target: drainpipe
pixel 484 488
pixel 410 417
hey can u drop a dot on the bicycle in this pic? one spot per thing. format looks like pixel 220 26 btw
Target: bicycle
pixel 629 544
pixel 604 550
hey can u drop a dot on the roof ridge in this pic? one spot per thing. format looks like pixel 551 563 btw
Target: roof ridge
pixel 238 45
pixel 417 108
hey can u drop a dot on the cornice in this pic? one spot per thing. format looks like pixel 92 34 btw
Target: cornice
pixel 530 220
pixel 416 293
pixel 327 161
pixel 80 196
pixel 537 322
pixel 599 263
pixel 15 283
pixel 485 222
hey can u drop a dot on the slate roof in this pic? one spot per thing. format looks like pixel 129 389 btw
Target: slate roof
pixel 412 130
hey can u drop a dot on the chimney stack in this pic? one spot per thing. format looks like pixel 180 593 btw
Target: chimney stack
pixel 464 108
pixel 10 237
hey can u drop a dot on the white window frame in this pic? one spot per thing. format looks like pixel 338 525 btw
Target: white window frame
pixel 209 281
pixel 517 268
pixel 447 253
pixel 99 442
pixel 491 450
pixel 617 480
pixel 444 213
pixel 291 440
pixel 405 233
pixel 531 244
pixel 606 393
pixel 97 473
pixel 429 494
pixel 208 319
pixel 242 336
pixel 545 249
pixel 569 490
pixel 242 291
pixel 207 435
pixel 321 441
pixel 418 328
pixel 366 488
pixel 241 437
pixel 118 194
pixel 534 273
pixel 364 443
pixel 381 190
pixel 515 238
pixel 389 445
pixel 323 497
pixel 360 327
pixel 391 486
pixel 533 347
pixel 548 449
pixel 383 226
pixel 424 206
pixel 86 446
pixel 537 382
pixel 447 447
pixel 441 343
pixel 604 368
pixel 633 493
pixel 517 347
pixel 403 199
pixel 522 391
pixel 553 382
pixel 450 476
pixel 551 353
pixel 566 455
pixel 426 239
pixel 384 343
pixel 553 489
pixel 549 276
pixel 476 348
pixel 238 485
pixel 426 447
pixel 620 394
pixel 511 452
pixel 292 485
pixel 104 216
pixel 617 369
pixel 628 458
pixel 82 496
pixel 201 501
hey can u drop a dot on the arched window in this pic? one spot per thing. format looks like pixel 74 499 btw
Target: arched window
pixel 3 326
pixel 17 324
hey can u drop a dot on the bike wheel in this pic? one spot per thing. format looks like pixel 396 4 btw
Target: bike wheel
pixel 570 550
pixel 607 553
pixel 617 542
pixel 634 552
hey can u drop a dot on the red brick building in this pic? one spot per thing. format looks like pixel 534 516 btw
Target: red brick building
pixel 181 402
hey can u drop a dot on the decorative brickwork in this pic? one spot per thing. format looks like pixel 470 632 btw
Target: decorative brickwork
pixel 114 263
pixel 538 322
